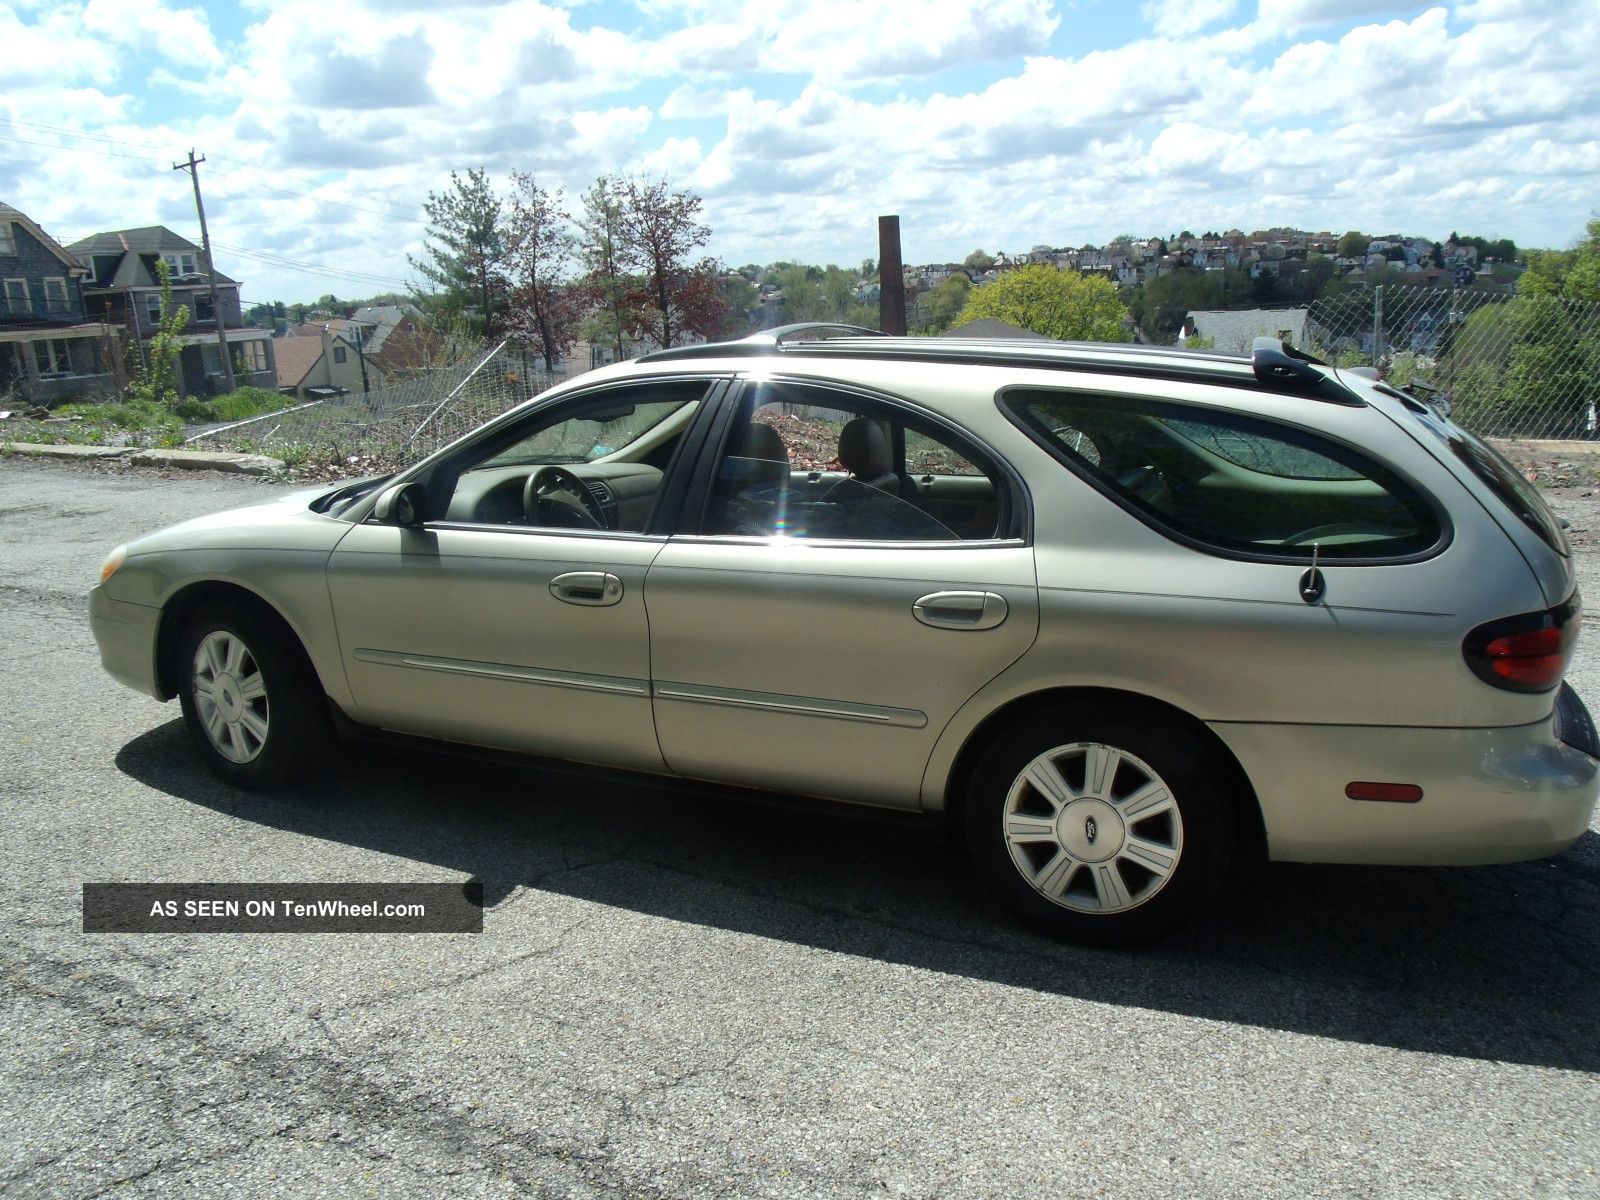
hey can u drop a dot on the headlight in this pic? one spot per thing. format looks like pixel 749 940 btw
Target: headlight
pixel 112 562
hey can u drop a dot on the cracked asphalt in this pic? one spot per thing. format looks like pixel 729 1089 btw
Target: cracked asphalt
pixel 679 996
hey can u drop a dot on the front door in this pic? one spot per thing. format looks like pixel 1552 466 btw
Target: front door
pixel 513 614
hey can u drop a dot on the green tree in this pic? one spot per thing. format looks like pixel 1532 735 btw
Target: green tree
pixel 1059 304
pixel 944 304
pixel 156 380
pixel 1573 274
pixel 978 260
pixel 1353 244
pixel 462 250
pixel 602 247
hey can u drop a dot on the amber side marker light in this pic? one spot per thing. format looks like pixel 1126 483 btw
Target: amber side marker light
pixel 1389 793
pixel 112 562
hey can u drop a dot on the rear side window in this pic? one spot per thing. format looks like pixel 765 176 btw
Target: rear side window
pixel 1506 482
pixel 1231 483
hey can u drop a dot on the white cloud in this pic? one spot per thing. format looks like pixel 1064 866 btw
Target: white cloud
pixel 990 124
pixel 1294 15
pixel 1176 18
pixel 182 35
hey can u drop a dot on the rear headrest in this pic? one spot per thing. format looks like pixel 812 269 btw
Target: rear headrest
pixel 863 450
pixel 761 441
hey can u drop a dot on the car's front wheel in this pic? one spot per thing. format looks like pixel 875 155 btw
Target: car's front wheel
pixel 251 702
pixel 1099 824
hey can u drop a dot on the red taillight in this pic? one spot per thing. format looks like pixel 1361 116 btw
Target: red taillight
pixel 1527 653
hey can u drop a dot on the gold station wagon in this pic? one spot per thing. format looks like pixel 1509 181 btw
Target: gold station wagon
pixel 1121 614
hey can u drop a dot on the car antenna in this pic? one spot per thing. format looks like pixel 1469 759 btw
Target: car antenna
pixel 1312 582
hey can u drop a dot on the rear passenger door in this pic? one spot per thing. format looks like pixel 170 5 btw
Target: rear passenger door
pixel 816 623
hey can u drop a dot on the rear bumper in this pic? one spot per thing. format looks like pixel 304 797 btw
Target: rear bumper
pixel 1488 795
pixel 126 635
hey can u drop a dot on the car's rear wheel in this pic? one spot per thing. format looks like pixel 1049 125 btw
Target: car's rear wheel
pixel 1102 825
pixel 251 702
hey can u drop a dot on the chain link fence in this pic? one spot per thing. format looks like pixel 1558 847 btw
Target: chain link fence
pixel 393 426
pixel 1513 366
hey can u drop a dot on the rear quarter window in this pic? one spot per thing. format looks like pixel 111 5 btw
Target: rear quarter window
pixel 1234 484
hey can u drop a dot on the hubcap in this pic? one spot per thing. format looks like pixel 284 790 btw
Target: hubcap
pixel 230 697
pixel 1093 828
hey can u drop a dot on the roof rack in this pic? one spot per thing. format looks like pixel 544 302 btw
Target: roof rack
pixel 765 341
pixel 1271 363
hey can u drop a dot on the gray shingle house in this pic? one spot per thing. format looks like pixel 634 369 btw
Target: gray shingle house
pixel 122 288
pixel 49 350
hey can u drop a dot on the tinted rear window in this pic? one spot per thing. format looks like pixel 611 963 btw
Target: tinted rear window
pixel 1232 483
pixel 1508 483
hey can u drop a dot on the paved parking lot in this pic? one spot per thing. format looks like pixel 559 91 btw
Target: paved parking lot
pixel 675 995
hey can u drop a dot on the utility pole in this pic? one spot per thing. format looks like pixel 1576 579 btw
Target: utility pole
pixel 193 167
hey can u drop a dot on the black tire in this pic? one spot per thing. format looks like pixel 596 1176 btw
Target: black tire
pixel 1076 866
pixel 261 720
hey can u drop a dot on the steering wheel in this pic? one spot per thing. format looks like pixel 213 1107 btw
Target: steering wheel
pixel 555 496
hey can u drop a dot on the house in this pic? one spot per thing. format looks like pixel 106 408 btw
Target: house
pixel 49 350
pixel 1234 331
pixel 314 368
pixel 123 289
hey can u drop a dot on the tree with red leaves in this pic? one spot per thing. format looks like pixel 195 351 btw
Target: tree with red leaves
pixel 544 304
pixel 679 298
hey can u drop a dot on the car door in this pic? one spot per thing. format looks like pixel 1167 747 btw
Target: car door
pixel 813 633
pixel 506 616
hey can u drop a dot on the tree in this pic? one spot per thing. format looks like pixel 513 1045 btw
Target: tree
pixel 543 306
pixel 603 249
pixel 156 380
pixel 463 248
pixel 661 230
pixel 978 260
pixel 741 299
pixel 1573 274
pixel 941 306
pixel 1059 304
pixel 1353 244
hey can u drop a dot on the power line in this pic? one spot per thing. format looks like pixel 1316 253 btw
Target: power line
pixel 282 261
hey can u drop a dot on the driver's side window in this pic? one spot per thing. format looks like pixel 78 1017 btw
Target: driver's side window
pixel 594 463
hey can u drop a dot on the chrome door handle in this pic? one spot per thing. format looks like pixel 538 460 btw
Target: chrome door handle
pixel 594 588
pixel 961 610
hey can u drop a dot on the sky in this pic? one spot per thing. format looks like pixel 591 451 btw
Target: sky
pixel 993 124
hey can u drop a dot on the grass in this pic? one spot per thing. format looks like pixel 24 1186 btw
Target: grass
pixel 237 405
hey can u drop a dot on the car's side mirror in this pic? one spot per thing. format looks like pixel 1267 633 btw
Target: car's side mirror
pixel 401 505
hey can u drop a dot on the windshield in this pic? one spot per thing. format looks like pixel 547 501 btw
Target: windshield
pixel 586 438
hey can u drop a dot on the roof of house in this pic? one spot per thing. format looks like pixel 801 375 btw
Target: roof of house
pixel 295 356
pixel 8 213
pixel 138 251
pixel 1232 331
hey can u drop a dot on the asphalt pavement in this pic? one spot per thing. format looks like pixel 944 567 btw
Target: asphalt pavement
pixel 680 996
